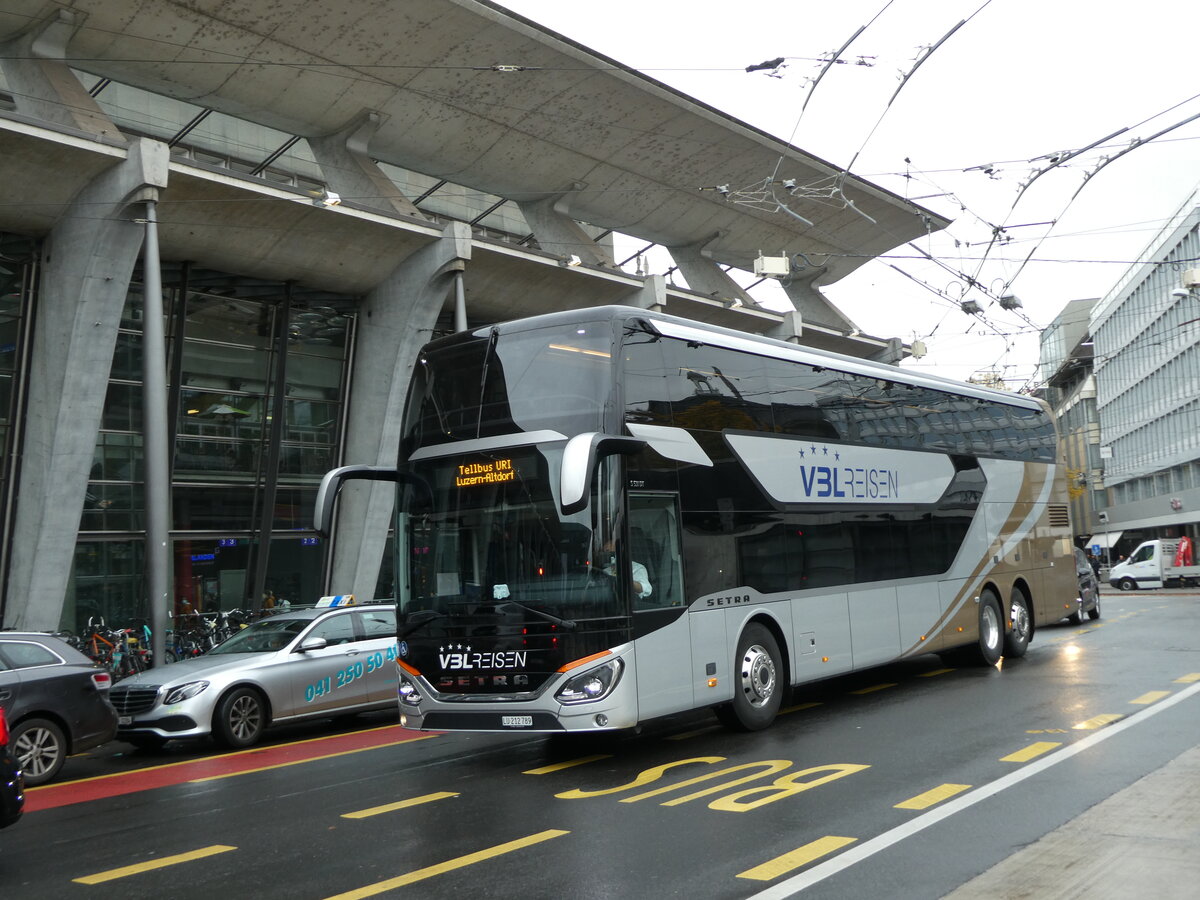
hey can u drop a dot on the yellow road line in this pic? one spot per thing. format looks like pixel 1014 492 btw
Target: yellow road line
pixel 801 856
pixel 1188 679
pixel 1098 722
pixel 400 804
pixel 1031 752
pixel 873 688
pixel 449 865
pixel 934 672
pixel 1151 697
pixel 558 767
pixel 933 797
pixel 307 759
pixel 150 865
pixel 683 736
pixel 797 708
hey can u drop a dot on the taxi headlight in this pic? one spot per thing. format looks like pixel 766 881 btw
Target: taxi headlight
pixel 184 692
pixel 594 684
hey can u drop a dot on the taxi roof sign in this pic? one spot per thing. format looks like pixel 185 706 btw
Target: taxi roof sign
pixel 336 600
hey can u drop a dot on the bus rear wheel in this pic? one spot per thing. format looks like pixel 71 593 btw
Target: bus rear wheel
pixel 1016 642
pixel 757 682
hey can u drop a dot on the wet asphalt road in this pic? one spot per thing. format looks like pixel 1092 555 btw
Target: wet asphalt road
pixel 904 781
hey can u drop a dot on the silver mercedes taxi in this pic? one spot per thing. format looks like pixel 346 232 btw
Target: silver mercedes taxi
pixel 301 664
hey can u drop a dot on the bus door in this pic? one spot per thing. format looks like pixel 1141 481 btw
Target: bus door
pixel 660 623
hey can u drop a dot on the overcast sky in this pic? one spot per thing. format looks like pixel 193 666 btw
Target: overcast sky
pixel 1020 81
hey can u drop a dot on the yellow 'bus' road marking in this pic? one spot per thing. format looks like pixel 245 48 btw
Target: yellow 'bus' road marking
pixel 1097 722
pixel 1151 697
pixel 873 688
pixel 934 672
pixel 449 865
pixel 933 797
pixel 1030 752
pixel 1188 679
pixel 400 804
pixel 797 708
pixel 801 856
pixel 125 871
pixel 558 767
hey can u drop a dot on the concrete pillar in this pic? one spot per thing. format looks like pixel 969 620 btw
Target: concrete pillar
pixel 42 84
pixel 652 296
pixel 891 353
pixel 395 320
pixel 87 263
pixel 790 329
pixel 812 304
pixel 346 163
pixel 550 221
pixel 705 276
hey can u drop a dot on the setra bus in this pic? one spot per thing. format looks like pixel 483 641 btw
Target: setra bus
pixel 610 514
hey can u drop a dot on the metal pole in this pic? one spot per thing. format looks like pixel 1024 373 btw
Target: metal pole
pixel 155 449
pixel 460 302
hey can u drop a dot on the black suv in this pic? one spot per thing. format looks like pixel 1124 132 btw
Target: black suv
pixel 56 702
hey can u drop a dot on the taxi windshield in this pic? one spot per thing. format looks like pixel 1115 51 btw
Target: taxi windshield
pixel 264 636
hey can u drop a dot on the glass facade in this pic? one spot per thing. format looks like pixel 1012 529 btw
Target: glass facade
pixel 258 378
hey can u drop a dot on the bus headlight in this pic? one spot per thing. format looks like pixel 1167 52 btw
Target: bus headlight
pixel 594 684
pixel 408 693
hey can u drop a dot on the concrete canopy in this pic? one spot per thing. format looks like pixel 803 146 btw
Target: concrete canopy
pixel 631 153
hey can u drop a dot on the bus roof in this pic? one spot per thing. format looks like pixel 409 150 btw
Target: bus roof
pixel 728 338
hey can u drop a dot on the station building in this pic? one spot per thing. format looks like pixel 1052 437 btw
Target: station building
pixel 313 198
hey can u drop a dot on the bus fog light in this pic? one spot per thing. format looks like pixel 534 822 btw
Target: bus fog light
pixel 594 684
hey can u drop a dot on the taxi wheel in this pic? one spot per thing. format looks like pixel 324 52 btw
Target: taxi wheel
pixel 40 749
pixel 240 718
pixel 1094 612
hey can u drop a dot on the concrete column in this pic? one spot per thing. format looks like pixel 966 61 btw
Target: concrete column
pixel 346 163
pixel 42 84
pixel 652 296
pixel 550 221
pixel 395 320
pixel 790 329
pixel 704 276
pixel 87 263
pixel 812 304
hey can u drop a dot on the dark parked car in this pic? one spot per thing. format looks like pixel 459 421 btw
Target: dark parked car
pixel 12 790
pixel 56 701
pixel 1089 589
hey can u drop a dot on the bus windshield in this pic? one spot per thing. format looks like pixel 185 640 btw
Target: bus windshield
pixel 487 543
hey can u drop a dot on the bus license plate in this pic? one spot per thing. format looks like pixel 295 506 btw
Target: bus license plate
pixel 516 721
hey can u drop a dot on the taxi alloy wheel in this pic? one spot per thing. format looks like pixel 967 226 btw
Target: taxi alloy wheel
pixel 241 718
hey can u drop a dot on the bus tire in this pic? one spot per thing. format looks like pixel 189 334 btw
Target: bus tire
pixel 1016 642
pixel 758 682
pixel 990 645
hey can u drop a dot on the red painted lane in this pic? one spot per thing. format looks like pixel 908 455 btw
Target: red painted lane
pixel 223 766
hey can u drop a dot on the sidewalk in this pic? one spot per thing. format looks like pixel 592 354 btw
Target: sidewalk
pixel 1141 842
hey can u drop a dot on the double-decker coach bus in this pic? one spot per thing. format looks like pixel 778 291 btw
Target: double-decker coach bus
pixel 609 514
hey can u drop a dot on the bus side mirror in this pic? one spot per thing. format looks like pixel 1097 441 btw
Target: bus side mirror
pixel 332 483
pixel 579 460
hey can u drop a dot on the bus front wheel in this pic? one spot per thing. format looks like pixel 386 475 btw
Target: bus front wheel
pixel 758 682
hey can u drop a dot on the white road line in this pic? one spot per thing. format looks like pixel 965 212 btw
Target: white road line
pixel 865 850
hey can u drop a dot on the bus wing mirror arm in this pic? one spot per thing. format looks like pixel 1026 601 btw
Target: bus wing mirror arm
pixel 332 483
pixel 580 458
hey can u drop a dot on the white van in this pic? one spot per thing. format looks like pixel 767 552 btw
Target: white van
pixel 1152 565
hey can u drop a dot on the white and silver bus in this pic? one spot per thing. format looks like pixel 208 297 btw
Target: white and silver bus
pixel 608 515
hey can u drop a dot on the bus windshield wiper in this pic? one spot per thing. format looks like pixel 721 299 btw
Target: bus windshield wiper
pixel 419 620
pixel 568 624
pixel 483 374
